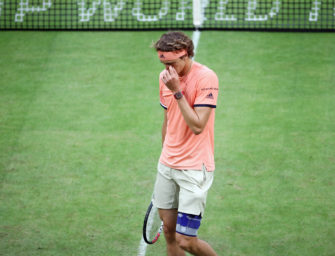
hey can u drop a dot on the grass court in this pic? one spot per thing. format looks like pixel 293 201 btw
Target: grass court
pixel 80 139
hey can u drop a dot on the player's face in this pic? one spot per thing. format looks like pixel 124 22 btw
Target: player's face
pixel 178 64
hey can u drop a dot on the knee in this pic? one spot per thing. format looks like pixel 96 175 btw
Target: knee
pixel 185 242
pixel 169 232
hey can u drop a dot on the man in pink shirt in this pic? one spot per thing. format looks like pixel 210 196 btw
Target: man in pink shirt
pixel 188 94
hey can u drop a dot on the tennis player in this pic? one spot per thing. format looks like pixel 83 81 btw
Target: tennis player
pixel 188 94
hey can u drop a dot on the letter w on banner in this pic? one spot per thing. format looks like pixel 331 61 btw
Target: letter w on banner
pixel 110 13
pixel 25 8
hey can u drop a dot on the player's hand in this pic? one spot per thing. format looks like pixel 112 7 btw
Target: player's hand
pixel 171 79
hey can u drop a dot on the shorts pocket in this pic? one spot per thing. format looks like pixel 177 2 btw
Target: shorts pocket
pixel 204 172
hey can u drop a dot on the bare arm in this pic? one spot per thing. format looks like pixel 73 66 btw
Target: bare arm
pixel 196 118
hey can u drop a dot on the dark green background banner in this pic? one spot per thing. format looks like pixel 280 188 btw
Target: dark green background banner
pixel 166 14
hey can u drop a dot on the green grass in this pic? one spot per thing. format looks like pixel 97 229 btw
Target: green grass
pixel 275 143
pixel 80 139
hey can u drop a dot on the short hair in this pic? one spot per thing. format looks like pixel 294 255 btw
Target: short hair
pixel 174 41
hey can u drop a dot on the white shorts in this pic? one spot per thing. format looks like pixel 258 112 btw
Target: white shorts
pixel 185 190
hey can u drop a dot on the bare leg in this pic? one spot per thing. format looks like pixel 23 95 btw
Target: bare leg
pixel 195 246
pixel 169 218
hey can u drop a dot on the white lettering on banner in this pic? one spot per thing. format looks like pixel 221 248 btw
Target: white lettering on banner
pixel 220 15
pixel 313 15
pixel 142 17
pixel 24 8
pixel 1 3
pixel 204 4
pixel 113 8
pixel 275 8
pixel 110 13
pixel 184 4
pixel 86 14
pixel 252 6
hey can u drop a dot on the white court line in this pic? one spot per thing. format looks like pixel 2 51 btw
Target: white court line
pixel 143 248
pixel 143 245
pixel 195 39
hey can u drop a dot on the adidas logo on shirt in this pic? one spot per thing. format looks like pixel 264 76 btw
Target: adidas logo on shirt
pixel 210 96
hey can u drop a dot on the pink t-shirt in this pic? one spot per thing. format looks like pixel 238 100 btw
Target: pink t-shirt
pixel 183 149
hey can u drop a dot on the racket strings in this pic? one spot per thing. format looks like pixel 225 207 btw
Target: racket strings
pixel 153 225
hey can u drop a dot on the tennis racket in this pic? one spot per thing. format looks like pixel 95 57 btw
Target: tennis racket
pixel 152 226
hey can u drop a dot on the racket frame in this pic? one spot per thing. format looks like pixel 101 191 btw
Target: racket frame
pixel 159 231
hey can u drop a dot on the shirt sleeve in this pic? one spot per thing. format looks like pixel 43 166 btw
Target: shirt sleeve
pixel 161 98
pixel 207 91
